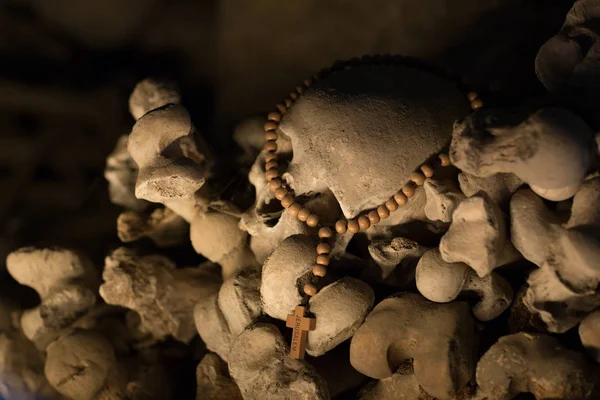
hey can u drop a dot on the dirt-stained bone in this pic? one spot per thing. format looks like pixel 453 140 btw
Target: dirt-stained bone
pixel 437 337
pixel 214 382
pixel 263 368
pixel 537 364
pixel 150 94
pixel 564 289
pixel 498 187
pixel 280 290
pixel 569 63
pixel 442 199
pixel 79 363
pixel 478 236
pixel 550 149
pixel 163 226
pixel 443 282
pixel 397 252
pixel 66 282
pixel 161 294
pixel 340 308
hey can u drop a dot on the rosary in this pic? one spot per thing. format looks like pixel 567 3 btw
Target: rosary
pixel 299 321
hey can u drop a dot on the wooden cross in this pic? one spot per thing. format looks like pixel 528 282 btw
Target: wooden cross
pixel 301 326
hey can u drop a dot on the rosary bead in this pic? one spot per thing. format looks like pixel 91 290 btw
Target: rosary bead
pixel 476 104
pixel 323 259
pixel 270 157
pixel 323 248
pixel 271 135
pixel 444 160
pixel 391 204
pixel 281 193
pixel 418 178
pixel 427 170
pixel 303 214
pixel 299 89
pixel 325 233
pixel 363 222
pixel 312 220
pixel 374 217
pixel 310 289
pixel 288 103
pixel 307 82
pixel 270 126
pixel 294 209
pixel 400 198
pixel 341 226
pixel 287 201
pixel 271 164
pixel 319 270
pixel 281 108
pixel 408 190
pixel 353 226
pixel 271 174
pixel 293 95
pixel 275 184
pixel 274 116
pixel 383 212
pixel 472 96
pixel 271 146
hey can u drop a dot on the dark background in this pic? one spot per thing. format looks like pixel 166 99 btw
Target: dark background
pixel 67 68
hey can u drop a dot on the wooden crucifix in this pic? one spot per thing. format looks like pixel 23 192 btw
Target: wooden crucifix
pixel 301 325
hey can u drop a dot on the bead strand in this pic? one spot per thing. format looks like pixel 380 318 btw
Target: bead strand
pixel 364 221
pixel 392 204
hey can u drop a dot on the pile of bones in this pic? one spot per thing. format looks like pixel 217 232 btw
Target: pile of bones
pixel 484 285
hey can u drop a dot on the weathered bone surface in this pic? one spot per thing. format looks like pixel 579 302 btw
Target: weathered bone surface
pixel 66 283
pixel 398 252
pixel 213 380
pixel 343 306
pixel 442 199
pixel 478 236
pixel 163 226
pixel 567 252
pixel 263 369
pixel 589 332
pixel 173 161
pixel 413 210
pixel 150 94
pixel 537 364
pixel 357 120
pixel 280 288
pixel 498 187
pixel 443 282
pixel 161 294
pixel 437 337
pixel 550 150
pixel 78 364
pixel 397 387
